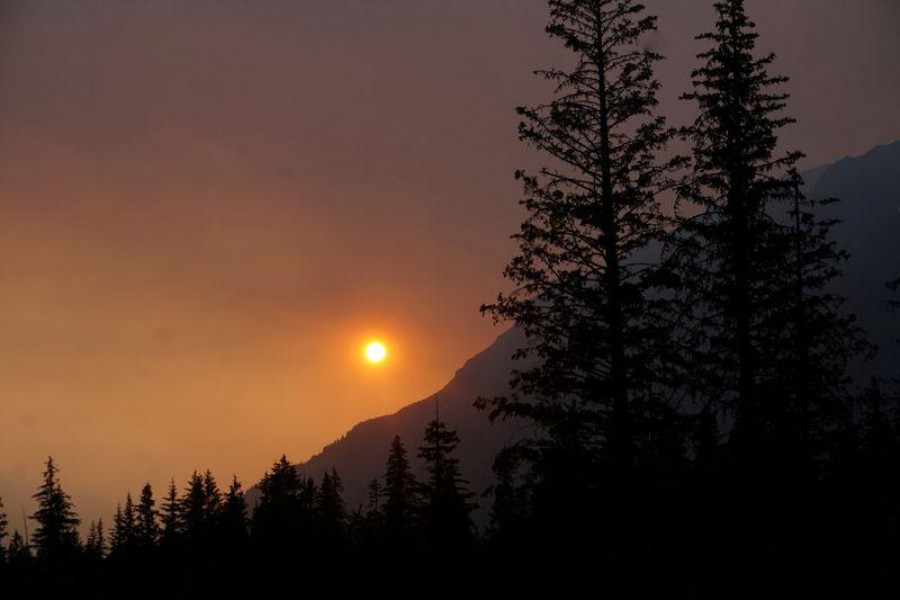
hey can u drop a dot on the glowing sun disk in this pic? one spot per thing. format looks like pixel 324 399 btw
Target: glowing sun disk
pixel 376 352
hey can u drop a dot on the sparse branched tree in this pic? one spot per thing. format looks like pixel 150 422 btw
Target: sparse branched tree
pixel 818 338
pixel 586 263
pixel 56 536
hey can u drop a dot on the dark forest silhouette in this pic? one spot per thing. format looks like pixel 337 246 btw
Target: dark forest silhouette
pixel 698 430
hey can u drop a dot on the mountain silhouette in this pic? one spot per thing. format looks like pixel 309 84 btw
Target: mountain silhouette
pixel 868 187
pixel 360 455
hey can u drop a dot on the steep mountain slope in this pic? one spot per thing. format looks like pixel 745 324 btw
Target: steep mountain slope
pixel 869 187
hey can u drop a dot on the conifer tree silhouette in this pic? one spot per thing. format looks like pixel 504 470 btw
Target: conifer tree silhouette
pixel 194 509
pixel 125 532
pixel 170 511
pixel 283 514
pixel 400 493
pixel 584 269
pixel 446 507
pixel 819 338
pixel 212 495
pixel 96 545
pixel 18 552
pixel 56 536
pixel 146 525
pixel 331 512
pixel 373 497
pixel 4 523
pixel 116 533
pixel 764 335
pixel 234 513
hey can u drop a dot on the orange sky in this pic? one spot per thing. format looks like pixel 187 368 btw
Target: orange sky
pixel 207 206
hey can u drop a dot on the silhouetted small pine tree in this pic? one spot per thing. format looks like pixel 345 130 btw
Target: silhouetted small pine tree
pixel 96 546
pixel 331 512
pixel 401 499
pixel 125 540
pixel 234 514
pixel 194 510
pixel 170 511
pixel 374 494
pixel 213 497
pixel 116 535
pixel 282 519
pixel 147 527
pixel 4 523
pixel 56 536
pixel 18 553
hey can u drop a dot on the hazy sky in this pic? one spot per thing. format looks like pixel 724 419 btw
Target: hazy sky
pixel 207 206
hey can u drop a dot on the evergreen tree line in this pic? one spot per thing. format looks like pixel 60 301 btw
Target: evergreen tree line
pixel 203 540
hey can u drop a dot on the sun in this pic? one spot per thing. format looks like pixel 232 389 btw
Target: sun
pixel 376 352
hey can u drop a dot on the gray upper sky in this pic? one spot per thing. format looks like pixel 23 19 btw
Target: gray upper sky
pixel 206 206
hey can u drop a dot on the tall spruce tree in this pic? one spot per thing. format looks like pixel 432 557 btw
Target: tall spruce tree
pixel 765 340
pixel 585 263
pixel 56 536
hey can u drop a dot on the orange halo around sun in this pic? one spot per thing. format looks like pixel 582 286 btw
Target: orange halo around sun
pixel 375 352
